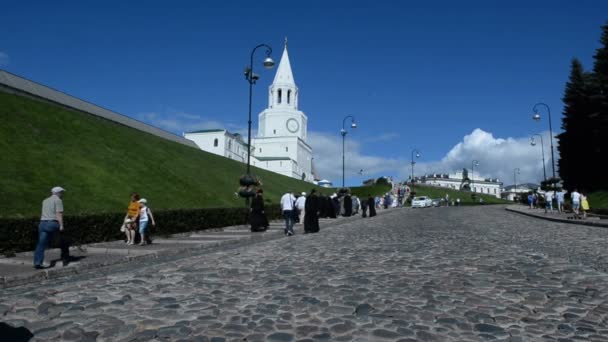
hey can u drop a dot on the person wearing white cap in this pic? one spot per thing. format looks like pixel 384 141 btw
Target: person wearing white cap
pixel 51 222
pixel 301 204
pixel 145 215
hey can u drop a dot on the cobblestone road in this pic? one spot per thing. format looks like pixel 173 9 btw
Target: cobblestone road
pixel 438 274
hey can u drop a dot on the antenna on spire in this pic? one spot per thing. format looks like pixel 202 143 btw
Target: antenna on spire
pixel 286 42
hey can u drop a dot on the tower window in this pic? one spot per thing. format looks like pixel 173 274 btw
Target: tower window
pixel 279 96
pixel 274 131
pixel 288 96
pixel 260 150
pixel 286 149
pixel 215 142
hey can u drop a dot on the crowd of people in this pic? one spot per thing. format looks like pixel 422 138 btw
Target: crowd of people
pixel 51 227
pixel 306 209
pixel 578 200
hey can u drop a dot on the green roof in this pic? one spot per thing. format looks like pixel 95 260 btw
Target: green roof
pixel 206 131
pixel 272 158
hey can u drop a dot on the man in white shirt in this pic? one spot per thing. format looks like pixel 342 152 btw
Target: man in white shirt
pixel 300 204
pixel 287 206
pixel 549 201
pixel 576 200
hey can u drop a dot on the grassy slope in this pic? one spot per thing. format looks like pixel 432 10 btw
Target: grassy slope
pixel 100 162
pixel 465 197
pixel 598 201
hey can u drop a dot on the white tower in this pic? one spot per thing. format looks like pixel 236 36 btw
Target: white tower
pixel 280 145
pixel 282 117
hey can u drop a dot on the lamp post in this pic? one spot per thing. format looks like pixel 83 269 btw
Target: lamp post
pixel 473 164
pixel 343 133
pixel 515 173
pixel 542 150
pixel 413 162
pixel 536 117
pixel 251 77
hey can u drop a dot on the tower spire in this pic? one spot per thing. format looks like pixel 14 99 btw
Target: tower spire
pixel 285 42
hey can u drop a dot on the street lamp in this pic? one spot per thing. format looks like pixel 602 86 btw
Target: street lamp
pixel 536 117
pixel 515 173
pixel 473 164
pixel 542 150
pixel 343 133
pixel 251 77
pixel 413 162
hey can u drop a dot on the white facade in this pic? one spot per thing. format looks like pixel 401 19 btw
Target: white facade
pixel 280 145
pixel 454 181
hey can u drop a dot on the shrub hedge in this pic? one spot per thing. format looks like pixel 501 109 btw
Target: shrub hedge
pixel 21 234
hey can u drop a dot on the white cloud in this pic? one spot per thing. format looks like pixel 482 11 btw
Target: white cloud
pixel 327 151
pixel 178 121
pixel 4 60
pixel 383 137
pixel 498 157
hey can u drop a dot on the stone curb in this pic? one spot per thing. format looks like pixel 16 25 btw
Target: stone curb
pixel 144 255
pixel 555 219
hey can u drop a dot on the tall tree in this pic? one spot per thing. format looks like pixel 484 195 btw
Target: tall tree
pixel 598 115
pixel 571 143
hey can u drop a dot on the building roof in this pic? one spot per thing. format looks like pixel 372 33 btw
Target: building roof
pixel 284 76
pixel 206 131
pixel 272 158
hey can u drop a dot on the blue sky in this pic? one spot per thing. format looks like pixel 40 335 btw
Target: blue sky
pixel 453 79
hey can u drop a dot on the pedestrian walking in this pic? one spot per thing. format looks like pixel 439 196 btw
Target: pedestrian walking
pixel 129 228
pixel 259 221
pixel 531 200
pixel 549 201
pixel 145 216
pixel 287 206
pixel 364 205
pixel 575 196
pixel 51 225
pixel 560 201
pixel 584 205
pixel 371 203
pixel 312 209
pixel 300 205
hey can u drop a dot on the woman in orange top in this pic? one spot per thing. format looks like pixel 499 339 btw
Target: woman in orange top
pixel 132 214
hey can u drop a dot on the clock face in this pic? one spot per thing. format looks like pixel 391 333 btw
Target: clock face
pixel 293 125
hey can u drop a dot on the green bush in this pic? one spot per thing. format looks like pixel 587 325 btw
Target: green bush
pixel 18 235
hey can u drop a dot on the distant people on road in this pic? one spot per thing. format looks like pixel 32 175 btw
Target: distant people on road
pixel 348 205
pixel 560 200
pixel 531 200
pixel 301 206
pixel 371 203
pixel 287 206
pixel 312 210
pixel 458 202
pixel 575 196
pixel 356 205
pixel 584 205
pixel 364 205
pixel 549 201
pixel 258 221
pixel 51 225
pixel 132 214
pixel 145 217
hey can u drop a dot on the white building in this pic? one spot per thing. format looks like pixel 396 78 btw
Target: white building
pixel 488 186
pixel 520 190
pixel 280 145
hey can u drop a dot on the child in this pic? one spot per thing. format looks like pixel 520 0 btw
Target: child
pixel 129 228
pixel 145 216
pixel 584 205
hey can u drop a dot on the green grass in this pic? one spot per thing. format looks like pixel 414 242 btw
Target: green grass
pixel 598 201
pixel 465 197
pixel 376 189
pixel 100 163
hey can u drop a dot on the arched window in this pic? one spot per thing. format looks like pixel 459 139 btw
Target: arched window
pixel 288 96
pixel 286 149
pixel 215 142
pixel 279 93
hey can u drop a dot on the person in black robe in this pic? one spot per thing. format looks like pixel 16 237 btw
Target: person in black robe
pixel 321 202
pixel 258 220
pixel 364 208
pixel 371 203
pixel 311 213
pixel 348 205
pixel 333 207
